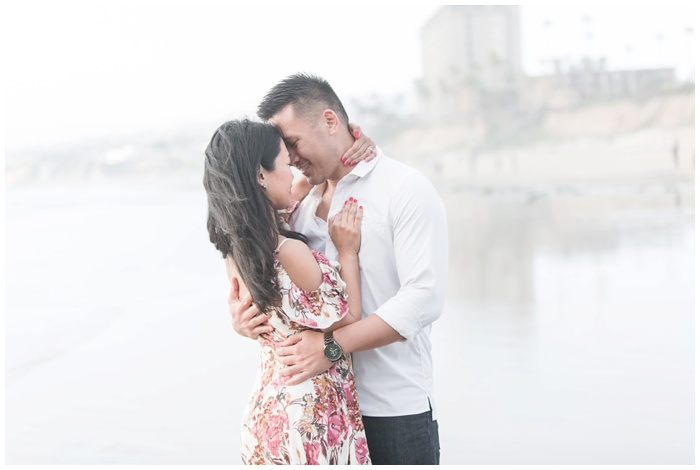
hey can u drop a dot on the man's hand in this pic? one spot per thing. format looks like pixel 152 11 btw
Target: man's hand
pixel 302 353
pixel 245 317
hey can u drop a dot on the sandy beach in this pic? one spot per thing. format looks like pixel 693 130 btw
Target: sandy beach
pixel 567 338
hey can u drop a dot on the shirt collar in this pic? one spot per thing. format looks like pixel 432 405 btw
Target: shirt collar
pixel 315 192
pixel 364 168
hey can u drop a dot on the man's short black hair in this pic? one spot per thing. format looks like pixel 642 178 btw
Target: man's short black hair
pixel 307 93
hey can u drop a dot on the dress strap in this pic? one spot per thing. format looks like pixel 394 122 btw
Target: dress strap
pixel 280 245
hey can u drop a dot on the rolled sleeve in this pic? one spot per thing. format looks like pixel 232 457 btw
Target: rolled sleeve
pixel 419 235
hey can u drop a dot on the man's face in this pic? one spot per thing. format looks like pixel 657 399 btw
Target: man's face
pixel 309 145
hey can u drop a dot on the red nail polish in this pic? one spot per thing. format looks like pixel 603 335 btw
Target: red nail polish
pixel 344 158
pixel 360 207
pixel 354 163
pixel 357 134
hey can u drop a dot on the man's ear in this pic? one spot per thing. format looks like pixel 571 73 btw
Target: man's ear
pixel 331 121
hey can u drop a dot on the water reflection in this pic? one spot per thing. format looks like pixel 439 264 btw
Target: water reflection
pixel 496 236
pixel 569 332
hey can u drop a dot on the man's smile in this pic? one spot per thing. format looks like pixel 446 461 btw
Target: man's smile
pixel 303 166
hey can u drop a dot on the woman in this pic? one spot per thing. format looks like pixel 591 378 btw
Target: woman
pixel 248 181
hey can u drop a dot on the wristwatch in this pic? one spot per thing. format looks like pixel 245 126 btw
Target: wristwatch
pixel 331 348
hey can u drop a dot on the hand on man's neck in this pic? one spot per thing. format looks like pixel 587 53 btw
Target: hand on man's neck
pixel 342 169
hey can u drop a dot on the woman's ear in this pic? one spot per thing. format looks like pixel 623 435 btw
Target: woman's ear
pixel 261 178
pixel 330 119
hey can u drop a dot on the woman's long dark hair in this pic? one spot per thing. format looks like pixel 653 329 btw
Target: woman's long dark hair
pixel 242 220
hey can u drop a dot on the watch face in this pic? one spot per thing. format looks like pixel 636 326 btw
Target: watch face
pixel 332 351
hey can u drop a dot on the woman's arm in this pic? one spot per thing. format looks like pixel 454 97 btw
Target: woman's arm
pixel 318 291
pixel 300 264
pixel 344 229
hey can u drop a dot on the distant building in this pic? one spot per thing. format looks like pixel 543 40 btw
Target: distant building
pixel 468 51
pixel 472 70
pixel 591 80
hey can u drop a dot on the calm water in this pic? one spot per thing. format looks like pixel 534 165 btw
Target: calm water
pixel 568 336
pixel 572 322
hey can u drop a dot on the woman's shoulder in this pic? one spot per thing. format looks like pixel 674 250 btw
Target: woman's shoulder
pixel 300 263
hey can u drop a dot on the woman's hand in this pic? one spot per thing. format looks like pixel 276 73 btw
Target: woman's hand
pixel 363 149
pixel 344 228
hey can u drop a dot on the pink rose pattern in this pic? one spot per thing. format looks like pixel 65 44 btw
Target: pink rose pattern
pixel 318 421
pixel 361 451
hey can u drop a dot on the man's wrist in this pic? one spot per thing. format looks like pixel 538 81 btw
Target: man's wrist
pixel 331 349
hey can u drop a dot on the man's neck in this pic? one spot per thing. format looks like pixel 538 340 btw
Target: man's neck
pixel 339 174
pixel 341 170
pixel 327 194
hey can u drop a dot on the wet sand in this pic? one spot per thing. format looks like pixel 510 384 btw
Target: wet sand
pixel 568 336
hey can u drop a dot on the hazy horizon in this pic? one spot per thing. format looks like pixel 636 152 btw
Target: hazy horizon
pixel 86 71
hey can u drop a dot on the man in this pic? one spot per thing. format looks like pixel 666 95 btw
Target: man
pixel 403 263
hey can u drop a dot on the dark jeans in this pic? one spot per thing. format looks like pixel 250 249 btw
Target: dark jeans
pixel 403 440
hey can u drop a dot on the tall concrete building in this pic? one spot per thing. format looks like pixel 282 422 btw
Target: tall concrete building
pixel 470 53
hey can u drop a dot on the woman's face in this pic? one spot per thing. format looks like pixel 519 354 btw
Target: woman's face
pixel 279 181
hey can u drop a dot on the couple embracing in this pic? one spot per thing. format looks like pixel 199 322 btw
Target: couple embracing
pixel 338 276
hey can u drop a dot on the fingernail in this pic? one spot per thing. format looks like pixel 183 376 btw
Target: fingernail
pixel 356 134
pixel 344 158
pixel 354 163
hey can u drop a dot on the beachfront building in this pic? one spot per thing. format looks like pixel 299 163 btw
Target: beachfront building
pixel 472 72
pixel 471 57
pixel 592 81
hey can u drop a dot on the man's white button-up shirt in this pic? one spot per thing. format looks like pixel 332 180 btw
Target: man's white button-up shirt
pixel 403 271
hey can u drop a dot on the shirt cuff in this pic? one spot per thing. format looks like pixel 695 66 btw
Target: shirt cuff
pixel 401 316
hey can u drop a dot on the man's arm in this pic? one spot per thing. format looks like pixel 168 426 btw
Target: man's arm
pixel 302 353
pixel 419 227
pixel 245 317
pixel 420 247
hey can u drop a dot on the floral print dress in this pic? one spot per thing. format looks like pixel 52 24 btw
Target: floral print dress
pixel 319 420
